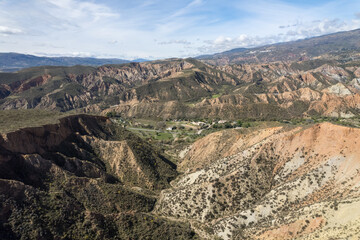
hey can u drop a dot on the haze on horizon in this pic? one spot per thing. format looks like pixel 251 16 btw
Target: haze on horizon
pixel 156 29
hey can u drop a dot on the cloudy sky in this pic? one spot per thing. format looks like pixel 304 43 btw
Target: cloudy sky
pixel 156 29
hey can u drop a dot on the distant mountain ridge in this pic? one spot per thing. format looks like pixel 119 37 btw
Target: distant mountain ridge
pixel 340 45
pixel 10 62
pixel 188 88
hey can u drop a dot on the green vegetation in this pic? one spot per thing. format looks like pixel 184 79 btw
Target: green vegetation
pixel 170 137
pixel 184 132
pixel 11 120
pixel 163 136
pixel 29 73
pixel 84 198
pixel 349 122
pixel 72 208
pixel 112 114
pixel 311 64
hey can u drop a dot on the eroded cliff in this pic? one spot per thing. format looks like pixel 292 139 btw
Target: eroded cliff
pixel 83 178
pixel 280 183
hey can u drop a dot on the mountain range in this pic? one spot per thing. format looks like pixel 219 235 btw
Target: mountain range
pixel 11 62
pixel 190 89
pixel 341 45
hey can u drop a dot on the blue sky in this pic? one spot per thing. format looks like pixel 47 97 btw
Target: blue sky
pixel 161 28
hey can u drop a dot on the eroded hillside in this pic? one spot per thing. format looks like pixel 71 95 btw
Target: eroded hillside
pixel 275 183
pixel 284 176
pixel 266 91
pixel 82 178
pixel 191 89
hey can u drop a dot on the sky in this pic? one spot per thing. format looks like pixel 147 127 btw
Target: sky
pixel 156 29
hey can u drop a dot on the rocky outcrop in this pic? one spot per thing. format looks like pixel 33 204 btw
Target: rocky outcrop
pixel 191 89
pixel 93 140
pixel 221 144
pixel 77 87
pixel 82 178
pixel 263 91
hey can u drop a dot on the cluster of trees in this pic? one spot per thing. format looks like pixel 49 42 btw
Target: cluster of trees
pixel 112 114
pixel 238 123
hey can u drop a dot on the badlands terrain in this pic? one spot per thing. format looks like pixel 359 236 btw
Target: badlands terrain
pixel 190 89
pixel 83 178
pixel 248 144
pixel 88 177
pixel 323 84
pixel 271 183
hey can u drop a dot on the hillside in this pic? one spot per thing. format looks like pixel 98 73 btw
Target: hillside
pixel 10 62
pixel 250 91
pixel 271 183
pixel 340 46
pixel 257 139
pixel 86 177
pixel 188 88
pixel 82 178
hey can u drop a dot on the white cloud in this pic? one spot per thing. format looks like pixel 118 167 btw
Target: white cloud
pixel 292 32
pixel 113 42
pixel 82 10
pixel 126 29
pixel 288 26
pixel 66 54
pixel 188 8
pixel 183 42
pixel 9 31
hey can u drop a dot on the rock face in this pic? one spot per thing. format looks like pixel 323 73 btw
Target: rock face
pixel 66 88
pixel 191 89
pixel 260 91
pixel 92 140
pixel 280 183
pixel 83 178
pixel 221 144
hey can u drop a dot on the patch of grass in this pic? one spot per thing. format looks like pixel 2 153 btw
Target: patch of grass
pixel 310 64
pixel 163 136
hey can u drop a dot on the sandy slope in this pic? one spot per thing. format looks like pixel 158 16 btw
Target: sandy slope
pixel 273 183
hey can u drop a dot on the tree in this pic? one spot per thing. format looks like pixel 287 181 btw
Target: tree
pixel 239 123
pixel 111 114
pixel 247 125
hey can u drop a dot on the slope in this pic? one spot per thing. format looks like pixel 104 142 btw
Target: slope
pixel 299 183
pixel 10 62
pixel 188 88
pixel 341 45
pixel 82 178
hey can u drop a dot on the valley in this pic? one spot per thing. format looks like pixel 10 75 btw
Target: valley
pixel 82 178
pixel 189 89
pixel 255 143
pixel 266 180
